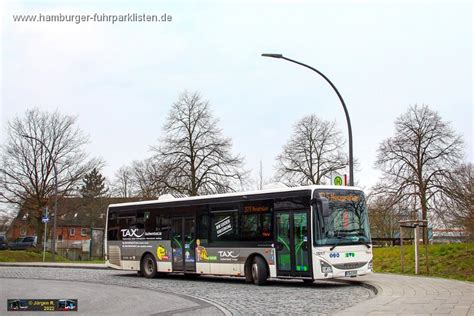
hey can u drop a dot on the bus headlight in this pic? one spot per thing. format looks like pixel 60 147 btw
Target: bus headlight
pixel 369 266
pixel 325 268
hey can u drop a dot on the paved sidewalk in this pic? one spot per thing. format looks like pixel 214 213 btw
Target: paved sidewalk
pixel 55 265
pixel 410 295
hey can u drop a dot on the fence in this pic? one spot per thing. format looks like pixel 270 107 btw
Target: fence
pixel 86 249
pixel 387 241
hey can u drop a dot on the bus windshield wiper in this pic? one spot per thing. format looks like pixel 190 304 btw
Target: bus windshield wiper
pixel 340 238
pixel 364 243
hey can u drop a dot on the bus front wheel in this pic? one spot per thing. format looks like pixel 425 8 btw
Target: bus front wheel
pixel 259 271
pixel 148 266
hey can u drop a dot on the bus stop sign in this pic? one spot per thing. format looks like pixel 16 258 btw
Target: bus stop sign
pixel 338 180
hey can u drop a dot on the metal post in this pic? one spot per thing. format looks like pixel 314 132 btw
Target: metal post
pixel 349 128
pixel 426 251
pixel 416 249
pixel 53 258
pixel 45 233
pixel 90 244
pixel 401 250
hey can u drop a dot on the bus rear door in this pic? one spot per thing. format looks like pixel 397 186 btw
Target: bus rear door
pixel 183 245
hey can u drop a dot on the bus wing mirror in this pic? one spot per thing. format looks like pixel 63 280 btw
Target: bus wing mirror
pixel 325 207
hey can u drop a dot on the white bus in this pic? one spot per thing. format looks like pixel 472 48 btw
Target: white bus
pixel 307 232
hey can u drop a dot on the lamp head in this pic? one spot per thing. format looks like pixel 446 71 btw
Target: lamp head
pixel 273 55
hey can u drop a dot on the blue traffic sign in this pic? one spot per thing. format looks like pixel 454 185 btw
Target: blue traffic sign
pixel 45 219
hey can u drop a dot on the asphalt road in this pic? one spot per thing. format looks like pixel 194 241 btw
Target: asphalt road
pixel 123 293
pixel 94 299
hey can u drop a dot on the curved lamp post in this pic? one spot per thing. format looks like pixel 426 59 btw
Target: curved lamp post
pixel 349 128
pixel 53 237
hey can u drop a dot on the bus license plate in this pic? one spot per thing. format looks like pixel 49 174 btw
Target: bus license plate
pixel 351 273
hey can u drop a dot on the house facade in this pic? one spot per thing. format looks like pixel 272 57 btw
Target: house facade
pixel 79 227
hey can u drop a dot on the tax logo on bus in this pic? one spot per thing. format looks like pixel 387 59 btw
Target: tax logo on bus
pixel 132 233
pixel 227 254
pixel 334 255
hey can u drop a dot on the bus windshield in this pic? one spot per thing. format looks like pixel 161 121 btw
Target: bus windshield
pixel 344 220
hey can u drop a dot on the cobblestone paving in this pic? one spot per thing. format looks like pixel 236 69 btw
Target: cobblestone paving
pixel 233 294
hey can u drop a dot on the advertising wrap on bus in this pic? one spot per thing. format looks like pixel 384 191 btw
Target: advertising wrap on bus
pixel 310 233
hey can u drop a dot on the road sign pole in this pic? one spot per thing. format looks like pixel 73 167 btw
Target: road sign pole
pixel 45 234
pixel 401 250
pixel 416 250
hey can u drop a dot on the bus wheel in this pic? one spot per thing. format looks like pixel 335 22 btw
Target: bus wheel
pixel 259 271
pixel 148 266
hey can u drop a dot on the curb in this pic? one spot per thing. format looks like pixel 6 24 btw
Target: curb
pixel 52 265
pixel 374 288
pixel 424 276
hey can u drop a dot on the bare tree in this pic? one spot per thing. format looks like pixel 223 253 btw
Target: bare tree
pixel 386 210
pixel 6 218
pixel 146 179
pixel 123 185
pixel 194 157
pixel 26 170
pixel 456 205
pixel 140 180
pixel 418 159
pixel 313 152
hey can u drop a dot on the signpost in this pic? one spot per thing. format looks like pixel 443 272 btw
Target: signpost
pixel 45 220
pixel 413 224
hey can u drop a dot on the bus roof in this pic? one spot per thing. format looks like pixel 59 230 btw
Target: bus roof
pixel 233 194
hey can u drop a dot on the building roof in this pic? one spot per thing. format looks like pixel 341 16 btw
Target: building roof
pixel 85 212
pixel 76 211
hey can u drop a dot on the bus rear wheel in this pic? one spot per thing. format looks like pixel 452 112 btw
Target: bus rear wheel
pixel 148 266
pixel 259 271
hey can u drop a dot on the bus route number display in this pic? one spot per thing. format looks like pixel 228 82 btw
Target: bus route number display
pixel 340 197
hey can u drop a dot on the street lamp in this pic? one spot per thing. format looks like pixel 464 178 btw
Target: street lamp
pixel 349 128
pixel 53 244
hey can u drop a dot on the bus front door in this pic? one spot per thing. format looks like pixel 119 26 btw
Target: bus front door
pixel 292 244
pixel 183 244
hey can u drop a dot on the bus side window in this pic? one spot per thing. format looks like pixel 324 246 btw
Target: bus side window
pixel 224 225
pixel 125 220
pixel 150 222
pixel 256 226
pixel 163 225
pixel 140 219
pixel 112 233
pixel 203 228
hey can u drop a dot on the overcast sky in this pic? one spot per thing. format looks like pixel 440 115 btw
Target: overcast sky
pixel 121 79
